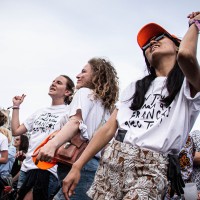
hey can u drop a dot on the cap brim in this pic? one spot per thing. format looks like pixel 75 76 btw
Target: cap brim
pixel 149 31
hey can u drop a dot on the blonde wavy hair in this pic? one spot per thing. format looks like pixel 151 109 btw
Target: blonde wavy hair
pixel 105 82
pixel 7 133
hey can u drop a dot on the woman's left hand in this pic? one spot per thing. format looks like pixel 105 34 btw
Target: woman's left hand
pixel 70 182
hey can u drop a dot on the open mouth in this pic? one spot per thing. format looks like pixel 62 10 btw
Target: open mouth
pixel 154 47
pixel 52 89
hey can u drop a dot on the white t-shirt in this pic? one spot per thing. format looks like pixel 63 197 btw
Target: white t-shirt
pixel 92 112
pixel 3 143
pixel 6 168
pixel 154 126
pixel 40 125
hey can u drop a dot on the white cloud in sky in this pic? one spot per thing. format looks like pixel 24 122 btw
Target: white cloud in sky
pixel 41 39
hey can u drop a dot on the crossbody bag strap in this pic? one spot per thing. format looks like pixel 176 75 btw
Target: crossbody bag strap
pixel 102 120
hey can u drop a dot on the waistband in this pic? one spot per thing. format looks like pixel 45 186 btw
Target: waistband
pixel 137 152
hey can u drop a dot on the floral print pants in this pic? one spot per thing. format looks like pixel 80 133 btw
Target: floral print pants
pixel 129 173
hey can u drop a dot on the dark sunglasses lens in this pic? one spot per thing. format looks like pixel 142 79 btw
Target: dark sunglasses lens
pixel 160 37
pixel 155 38
pixel 146 46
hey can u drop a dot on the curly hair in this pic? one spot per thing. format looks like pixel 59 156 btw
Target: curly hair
pixel 7 133
pixel 69 86
pixel 105 82
pixel 3 118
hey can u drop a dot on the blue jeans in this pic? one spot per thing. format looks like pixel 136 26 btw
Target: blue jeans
pixel 87 177
pixel 53 183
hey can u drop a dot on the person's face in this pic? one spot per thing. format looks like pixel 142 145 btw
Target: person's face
pixel 58 88
pixel 160 45
pixel 84 79
pixel 17 141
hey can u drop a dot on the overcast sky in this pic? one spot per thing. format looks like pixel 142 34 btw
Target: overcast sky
pixel 41 39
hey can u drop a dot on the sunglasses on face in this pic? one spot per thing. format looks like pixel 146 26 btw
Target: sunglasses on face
pixel 156 38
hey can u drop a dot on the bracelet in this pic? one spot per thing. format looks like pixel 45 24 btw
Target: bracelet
pixel 15 107
pixel 196 22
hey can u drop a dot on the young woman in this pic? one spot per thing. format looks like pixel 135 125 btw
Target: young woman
pixel 40 124
pixel 21 144
pixel 152 120
pixel 97 92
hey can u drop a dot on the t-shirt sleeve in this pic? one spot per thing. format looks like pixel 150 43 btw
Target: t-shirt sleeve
pixel 82 100
pixel 194 101
pixel 4 144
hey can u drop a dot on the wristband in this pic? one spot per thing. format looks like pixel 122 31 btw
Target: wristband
pixel 196 22
pixel 15 107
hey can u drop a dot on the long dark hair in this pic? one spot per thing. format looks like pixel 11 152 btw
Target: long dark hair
pixel 173 83
pixel 24 143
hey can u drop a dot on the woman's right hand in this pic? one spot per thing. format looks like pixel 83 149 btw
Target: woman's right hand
pixel 17 100
pixel 70 182
pixel 46 153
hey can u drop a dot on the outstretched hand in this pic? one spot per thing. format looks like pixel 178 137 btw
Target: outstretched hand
pixel 17 100
pixel 70 182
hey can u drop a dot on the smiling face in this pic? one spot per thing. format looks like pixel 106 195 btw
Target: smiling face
pixel 17 141
pixel 84 79
pixel 156 49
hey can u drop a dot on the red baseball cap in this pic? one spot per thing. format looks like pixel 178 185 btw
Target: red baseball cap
pixel 149 31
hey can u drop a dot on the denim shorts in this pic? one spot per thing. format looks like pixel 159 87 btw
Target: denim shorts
pixel 87 177
pixel 53 183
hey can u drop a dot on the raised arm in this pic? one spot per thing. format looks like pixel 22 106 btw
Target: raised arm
pixel 17 129
pixel 100 139
pixel 187 55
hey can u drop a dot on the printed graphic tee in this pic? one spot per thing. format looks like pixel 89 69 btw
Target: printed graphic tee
pixel 155 126
pixel 40 125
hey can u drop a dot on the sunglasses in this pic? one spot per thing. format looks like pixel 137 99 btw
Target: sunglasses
pixel 156 38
